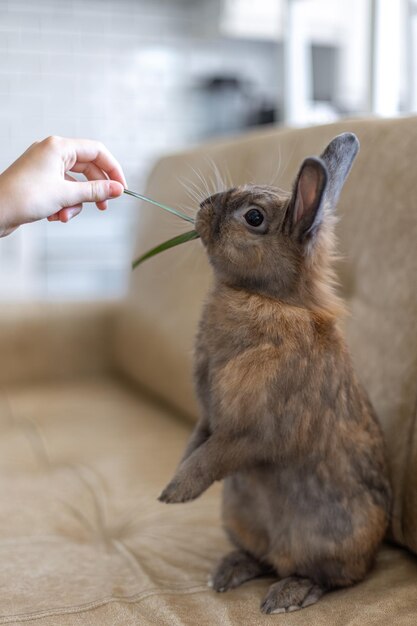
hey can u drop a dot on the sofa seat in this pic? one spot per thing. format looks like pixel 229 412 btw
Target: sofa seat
pixel 83 539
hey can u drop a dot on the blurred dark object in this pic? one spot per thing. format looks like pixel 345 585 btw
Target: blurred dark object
pixel 229 104
pixel 265 113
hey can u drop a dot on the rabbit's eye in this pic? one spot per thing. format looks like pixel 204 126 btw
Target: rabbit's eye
pixel 254 217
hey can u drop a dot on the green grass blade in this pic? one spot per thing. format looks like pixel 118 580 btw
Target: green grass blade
pixel 183 216
pixel 171 243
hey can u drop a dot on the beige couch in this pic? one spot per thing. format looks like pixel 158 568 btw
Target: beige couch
pixel 97 404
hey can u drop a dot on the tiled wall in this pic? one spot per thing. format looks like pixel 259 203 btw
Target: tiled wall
pixel 116 71
pixel 79 69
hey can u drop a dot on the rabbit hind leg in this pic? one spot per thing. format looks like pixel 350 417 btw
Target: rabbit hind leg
pixel 291 594
pixel 236 568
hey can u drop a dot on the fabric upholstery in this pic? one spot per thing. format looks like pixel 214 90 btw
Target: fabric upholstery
pixel 84 541
pixel 55 341
pixel 378 234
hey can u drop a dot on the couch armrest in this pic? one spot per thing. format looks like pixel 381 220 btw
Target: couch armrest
pixel 55 341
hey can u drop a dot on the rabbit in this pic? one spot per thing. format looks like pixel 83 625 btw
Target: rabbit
pixel 284 420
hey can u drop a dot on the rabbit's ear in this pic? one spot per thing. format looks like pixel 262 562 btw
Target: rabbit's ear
pixel 318 186
pixel 305 208
pixel 338 158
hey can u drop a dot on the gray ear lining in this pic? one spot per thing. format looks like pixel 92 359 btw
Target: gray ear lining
pixel 338 157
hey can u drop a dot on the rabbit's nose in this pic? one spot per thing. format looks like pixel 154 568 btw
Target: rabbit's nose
pixel 204 203
pixel 214 200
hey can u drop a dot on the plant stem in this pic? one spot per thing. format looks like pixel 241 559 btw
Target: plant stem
pixel 183 216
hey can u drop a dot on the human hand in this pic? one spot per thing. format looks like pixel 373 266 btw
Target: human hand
pixel 38 183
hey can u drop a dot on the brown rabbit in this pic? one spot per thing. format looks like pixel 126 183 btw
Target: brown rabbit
pixel 284 419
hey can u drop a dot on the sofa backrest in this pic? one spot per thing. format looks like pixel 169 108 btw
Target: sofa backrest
pixel 378 241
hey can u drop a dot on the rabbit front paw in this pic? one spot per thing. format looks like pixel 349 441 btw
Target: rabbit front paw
pixel 185 486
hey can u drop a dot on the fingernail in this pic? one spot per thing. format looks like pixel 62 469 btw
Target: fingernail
pixel 72 213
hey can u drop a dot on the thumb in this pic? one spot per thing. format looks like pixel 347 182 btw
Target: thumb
pixel 90 191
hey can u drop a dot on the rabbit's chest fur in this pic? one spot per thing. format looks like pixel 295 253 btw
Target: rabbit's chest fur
pixel 278 369
pixel 283 374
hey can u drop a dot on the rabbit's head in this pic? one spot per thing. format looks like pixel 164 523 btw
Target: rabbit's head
pixel 260 239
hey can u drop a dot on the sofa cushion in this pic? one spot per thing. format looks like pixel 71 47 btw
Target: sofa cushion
pixel 83 540
pixel 46 341
pixel 81 466
pixel 378 234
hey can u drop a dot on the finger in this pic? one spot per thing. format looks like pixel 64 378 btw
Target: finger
pixel 89 151
pixel 65 215
pixel 92 191
pixel 92 172
pixel 102 205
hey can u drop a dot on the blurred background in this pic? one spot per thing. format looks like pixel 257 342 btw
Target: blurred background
pixel 148 77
